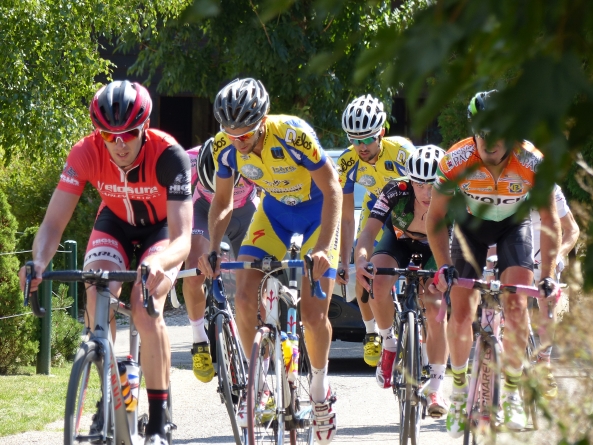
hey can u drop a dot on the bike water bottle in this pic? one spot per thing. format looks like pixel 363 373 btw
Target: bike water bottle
pixel 293 369
pixel 133 371
pixel 126 392
pixel 286 350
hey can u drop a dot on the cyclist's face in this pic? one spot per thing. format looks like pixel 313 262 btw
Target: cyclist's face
pixel 370 152
pixel 123 153
pixel 423 193
pixel 248 145
pixel 491 156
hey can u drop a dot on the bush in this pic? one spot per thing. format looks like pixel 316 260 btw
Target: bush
pixel 65 330
pixel 17 335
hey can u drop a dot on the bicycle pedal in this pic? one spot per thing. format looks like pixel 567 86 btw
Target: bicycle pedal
pixel 170 427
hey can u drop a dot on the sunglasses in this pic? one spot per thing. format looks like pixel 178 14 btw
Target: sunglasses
pixel 125 136
pixel 365 141
pixel 242 137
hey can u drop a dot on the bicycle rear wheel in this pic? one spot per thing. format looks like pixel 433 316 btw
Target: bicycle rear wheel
pixel 231 374
pixel 409 405
pixel 265 391
pixel 301 408
pixel 84 416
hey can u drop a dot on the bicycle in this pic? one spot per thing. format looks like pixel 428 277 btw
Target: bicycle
pixel 485 382
pixel 408 377
pixel 94 383
pixel 230 358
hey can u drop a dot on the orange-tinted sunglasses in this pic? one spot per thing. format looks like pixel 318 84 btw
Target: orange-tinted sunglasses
pixel 242 137
pixel 125 136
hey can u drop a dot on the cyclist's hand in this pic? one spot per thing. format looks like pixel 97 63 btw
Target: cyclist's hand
pixel 362 274
pixel 550 290
pixel 321 264
pixel 35 281
pixel 341 280
pixel 156 275
pixel 205 268
pixel 439 282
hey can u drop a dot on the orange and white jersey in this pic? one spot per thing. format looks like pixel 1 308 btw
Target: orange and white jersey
pixel 461 171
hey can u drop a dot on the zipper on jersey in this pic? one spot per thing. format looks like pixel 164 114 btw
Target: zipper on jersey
pixel 127 201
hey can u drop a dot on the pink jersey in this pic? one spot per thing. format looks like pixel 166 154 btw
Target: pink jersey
pixel 244 190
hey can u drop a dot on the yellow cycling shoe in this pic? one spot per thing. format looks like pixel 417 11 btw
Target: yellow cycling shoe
pixel 372 349
pixel 203 368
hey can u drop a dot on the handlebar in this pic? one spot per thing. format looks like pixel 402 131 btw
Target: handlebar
pixel 87 276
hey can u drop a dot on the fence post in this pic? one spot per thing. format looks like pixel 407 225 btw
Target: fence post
pixel 44 356
pixel 71 263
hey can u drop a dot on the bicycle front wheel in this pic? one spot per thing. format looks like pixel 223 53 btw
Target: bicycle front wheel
pixel 409 405
pixel 231 374
pixel 84 417
pixel 301 408
pixel 265 392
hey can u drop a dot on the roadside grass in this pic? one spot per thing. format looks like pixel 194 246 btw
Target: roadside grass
pixel 29 401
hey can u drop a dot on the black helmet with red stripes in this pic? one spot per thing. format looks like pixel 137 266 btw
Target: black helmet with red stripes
pixel 120 106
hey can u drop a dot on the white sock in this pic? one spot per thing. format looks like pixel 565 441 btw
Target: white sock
pixel 370 326
pixel 437 375
pixel 389 339
pixel 198 331
pixel 319 384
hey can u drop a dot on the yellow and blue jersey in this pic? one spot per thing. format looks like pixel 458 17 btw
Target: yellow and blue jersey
pixel 291 150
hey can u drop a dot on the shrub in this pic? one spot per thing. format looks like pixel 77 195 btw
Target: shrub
pixel 65 330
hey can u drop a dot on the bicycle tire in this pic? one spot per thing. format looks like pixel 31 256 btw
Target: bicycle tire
pixel 85 385
pixel 409 414
pixel 265 423
pixel 300 398
pixel 229 373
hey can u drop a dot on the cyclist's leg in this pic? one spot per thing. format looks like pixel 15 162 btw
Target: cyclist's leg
pixel 195 300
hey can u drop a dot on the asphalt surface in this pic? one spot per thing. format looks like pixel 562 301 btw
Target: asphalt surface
pixel 366 413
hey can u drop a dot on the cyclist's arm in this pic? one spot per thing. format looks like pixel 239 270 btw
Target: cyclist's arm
pixel 366 240
pixel 348 224
pixel 438 233
pixel 221 210
pixel 550 237
pixel 58 214
pixel 570 234
pixel 326 179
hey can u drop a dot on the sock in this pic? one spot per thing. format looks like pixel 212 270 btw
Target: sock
pixel 389 339
pixel 157 403
pixel 198 331
pixel 512 377
pixel 437 375
pixel 459 377
pixel 370 326
pixel 544 355
pixel 319 384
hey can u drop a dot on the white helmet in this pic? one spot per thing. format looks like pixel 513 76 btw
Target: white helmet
pixel 423 163
pixel 364 117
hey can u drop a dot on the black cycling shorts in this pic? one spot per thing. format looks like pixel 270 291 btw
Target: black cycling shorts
pixel 514 244
pixel 401 249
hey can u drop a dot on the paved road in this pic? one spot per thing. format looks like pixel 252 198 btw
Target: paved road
pixel 367 414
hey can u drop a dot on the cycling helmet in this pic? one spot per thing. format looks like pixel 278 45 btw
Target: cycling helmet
pixel 206 169
pixel 479 102
pixel 363 117
pixel 120 106
pixel 242 103
pixel 423 163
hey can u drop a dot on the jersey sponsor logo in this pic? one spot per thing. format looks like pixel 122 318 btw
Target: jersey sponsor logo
pixel 69 180
pixel 277 153
pixel 516 187
pixel 366 181
pixel 346 164
pixel 105 242
pixel 258 234
pixel 402 157
pixel 114 188
pixel 107 254
pixel 296 188
pixel 251 172
pixel 511 176
pixel 528 160
pixel 364 169
pixel 290 200
pixel 458 156
pixel 315 154
pixel 389 166
pixel 277 183
pixel 283 170
pixel 156 248
pixel 218 144
pixel 495 200
pixel 296 139
pixel 70 171
pixel 477 175
pixel 381 206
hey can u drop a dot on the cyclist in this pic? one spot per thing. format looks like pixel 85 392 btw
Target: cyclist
pixel 372 160
pixel 402 207
pixel 570 235
pixel 245 201
pixel 143 178
pixel 493 179
pixel 282 155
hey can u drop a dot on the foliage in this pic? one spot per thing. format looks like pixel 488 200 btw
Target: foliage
pixel 17 340
pixel 50 59
pixel 65 330
pixel 278 43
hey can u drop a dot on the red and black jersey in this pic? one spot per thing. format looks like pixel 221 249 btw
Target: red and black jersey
pixel 139 196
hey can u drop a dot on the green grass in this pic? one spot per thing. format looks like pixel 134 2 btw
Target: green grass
pixel 29 401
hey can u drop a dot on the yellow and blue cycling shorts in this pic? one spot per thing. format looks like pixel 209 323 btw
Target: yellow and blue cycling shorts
pixel 274 224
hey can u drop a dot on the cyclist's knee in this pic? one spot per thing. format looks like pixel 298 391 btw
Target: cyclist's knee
pixel 315 322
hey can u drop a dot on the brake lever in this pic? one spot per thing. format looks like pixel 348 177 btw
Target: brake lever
pixel 342 275
pixel 315 286
pixel 370 268
pixel 148 300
